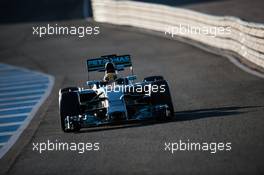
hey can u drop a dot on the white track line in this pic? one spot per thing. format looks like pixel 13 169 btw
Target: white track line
pixel 14 115
pixel 17 77
pixel 18 102
pixel 18 98
pixel 6 81
pixel 15 108
pixel 9 84
pixel 22 92
pixel 23 86
pixel 5 69
pixel 6 133
pixel 11 123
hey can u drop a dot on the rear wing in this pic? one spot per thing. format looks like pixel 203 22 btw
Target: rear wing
pixel 98 64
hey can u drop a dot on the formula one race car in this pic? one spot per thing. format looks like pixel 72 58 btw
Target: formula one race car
pixel 114 99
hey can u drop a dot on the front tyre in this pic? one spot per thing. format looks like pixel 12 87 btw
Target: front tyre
pixel 69 107
pixel 162 97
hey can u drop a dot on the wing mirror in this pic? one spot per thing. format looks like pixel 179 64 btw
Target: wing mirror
pixel 132 77
pixel 92 83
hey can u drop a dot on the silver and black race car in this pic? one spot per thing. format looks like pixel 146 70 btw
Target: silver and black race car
pixel 103 102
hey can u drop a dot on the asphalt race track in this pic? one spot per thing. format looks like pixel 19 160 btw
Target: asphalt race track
pixel 214 100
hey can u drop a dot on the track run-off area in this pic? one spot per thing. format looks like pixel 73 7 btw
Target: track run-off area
pixel 21 93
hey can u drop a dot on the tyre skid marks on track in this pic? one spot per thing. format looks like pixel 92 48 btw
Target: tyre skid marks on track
pixel 21 94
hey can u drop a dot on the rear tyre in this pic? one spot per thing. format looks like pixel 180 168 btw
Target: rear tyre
pixel 69 106
pixel 162 97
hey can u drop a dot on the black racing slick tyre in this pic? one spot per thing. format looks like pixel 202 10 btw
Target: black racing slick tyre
pixel 69 106
pixel 154 78
pixel 162 97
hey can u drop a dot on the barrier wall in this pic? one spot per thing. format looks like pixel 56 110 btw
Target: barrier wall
pixel 243 38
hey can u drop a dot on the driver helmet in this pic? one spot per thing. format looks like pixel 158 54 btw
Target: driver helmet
pixel 110 72
pixel 109 67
